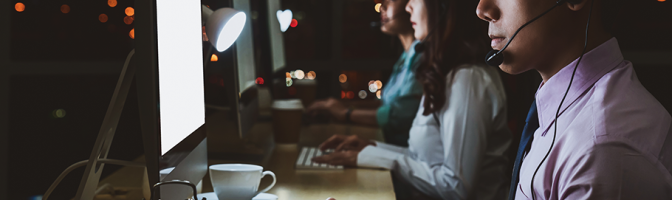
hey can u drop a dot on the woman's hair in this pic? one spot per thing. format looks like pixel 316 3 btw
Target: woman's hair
pixel 456 36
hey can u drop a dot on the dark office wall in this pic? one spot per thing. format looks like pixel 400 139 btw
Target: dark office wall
pixel 43 142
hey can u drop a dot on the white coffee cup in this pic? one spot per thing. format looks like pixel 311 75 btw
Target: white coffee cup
pixel 238 181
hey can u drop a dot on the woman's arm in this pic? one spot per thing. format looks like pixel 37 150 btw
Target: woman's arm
pixel 465 121
pixel 364 117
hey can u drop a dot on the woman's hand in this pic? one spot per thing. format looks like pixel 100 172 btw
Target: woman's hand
pixel 345 158
pixel 333 106
pixel 345 143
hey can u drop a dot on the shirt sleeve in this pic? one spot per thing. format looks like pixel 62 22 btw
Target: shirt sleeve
pixel 465 120
pixel 399 114
pixel 612 171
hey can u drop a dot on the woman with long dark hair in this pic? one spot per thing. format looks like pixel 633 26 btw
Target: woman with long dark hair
pixel 459 139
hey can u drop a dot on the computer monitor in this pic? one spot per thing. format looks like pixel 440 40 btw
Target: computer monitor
pixel 169 77
pixel 276 39
pixel 246 94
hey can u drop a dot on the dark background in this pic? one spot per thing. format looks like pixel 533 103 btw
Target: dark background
pixel 51 60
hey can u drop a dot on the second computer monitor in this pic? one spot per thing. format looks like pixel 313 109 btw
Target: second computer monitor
pixel 246 102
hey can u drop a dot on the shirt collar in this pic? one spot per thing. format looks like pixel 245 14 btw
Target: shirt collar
pixel 595 64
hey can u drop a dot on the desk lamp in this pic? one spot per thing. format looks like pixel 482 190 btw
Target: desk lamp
pixel 223 27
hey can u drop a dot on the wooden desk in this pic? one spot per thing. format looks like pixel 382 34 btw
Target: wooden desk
pixel 347 184
pixel 351 183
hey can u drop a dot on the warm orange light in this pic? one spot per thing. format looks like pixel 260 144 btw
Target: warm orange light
pixel 20 7
pixel 342 94
pixel 214 58
pixel 378 94
pixel 128 20
pixel 112 3
pixel 377 7
pixel 661 0
pixel 311 75
pixel 288 75
pixel 65 8
pixel 342 78
pixel 205 36
pixel 132 34
pixel 129 11
pixel 379 84
pixel 102 18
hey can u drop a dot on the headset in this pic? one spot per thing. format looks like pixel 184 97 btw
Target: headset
pixel 496 58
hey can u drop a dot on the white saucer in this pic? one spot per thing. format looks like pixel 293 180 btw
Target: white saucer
pixel 261 196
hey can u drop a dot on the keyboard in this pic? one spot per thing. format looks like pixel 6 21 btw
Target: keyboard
pixel 308 153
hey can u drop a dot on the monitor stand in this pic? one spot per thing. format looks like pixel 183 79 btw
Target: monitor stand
pixel 89 183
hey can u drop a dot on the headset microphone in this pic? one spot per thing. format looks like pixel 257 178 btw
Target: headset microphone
pixel 496 58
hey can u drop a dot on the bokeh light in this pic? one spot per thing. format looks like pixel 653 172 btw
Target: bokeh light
pixel 288 75
pixel 377 7
pixel 342 78
pixel 378 94
pixel 373 88
pixel 350 95
pixel 294 23
pixel 214 58
pixel 19 7
pixel 379 84
pixel 102 18
pixel 65 8
pixel 112 3
pixel 311 75
pixel 205 36
pixel 58 113
pixel 342 94
pixel 299 74
pixel 259 81
pixel 661 0
pixel 128 20
pixel 129 11
pixel 132 34
pixel 362 94
pixel 289 82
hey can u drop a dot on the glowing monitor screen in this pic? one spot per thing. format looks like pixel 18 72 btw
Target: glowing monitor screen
pixel 182 106
pixel 245 49
pixel 277 43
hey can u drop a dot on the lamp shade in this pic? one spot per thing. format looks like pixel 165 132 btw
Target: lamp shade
pixel 223 26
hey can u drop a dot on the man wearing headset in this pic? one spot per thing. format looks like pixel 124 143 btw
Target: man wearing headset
pixel 613 139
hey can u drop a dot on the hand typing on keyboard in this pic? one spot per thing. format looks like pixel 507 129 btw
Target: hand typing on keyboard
pixel 346 158
pixel 343 142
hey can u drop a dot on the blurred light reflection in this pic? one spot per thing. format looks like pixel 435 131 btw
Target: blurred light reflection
pixel 19 7
pixel 112 3
pixel 102 18
pixel 362 94
pixel 342 78
pixel 129 11
pixel 65 8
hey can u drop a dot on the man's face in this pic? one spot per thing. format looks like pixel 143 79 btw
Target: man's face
pixel 535 45
pixel 393 18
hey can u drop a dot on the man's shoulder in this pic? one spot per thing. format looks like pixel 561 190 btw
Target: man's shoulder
pixel 624 113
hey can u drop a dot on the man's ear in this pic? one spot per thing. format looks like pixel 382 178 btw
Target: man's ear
pixel 577 5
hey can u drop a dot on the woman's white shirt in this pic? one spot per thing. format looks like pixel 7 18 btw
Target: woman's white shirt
pixel 465 156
